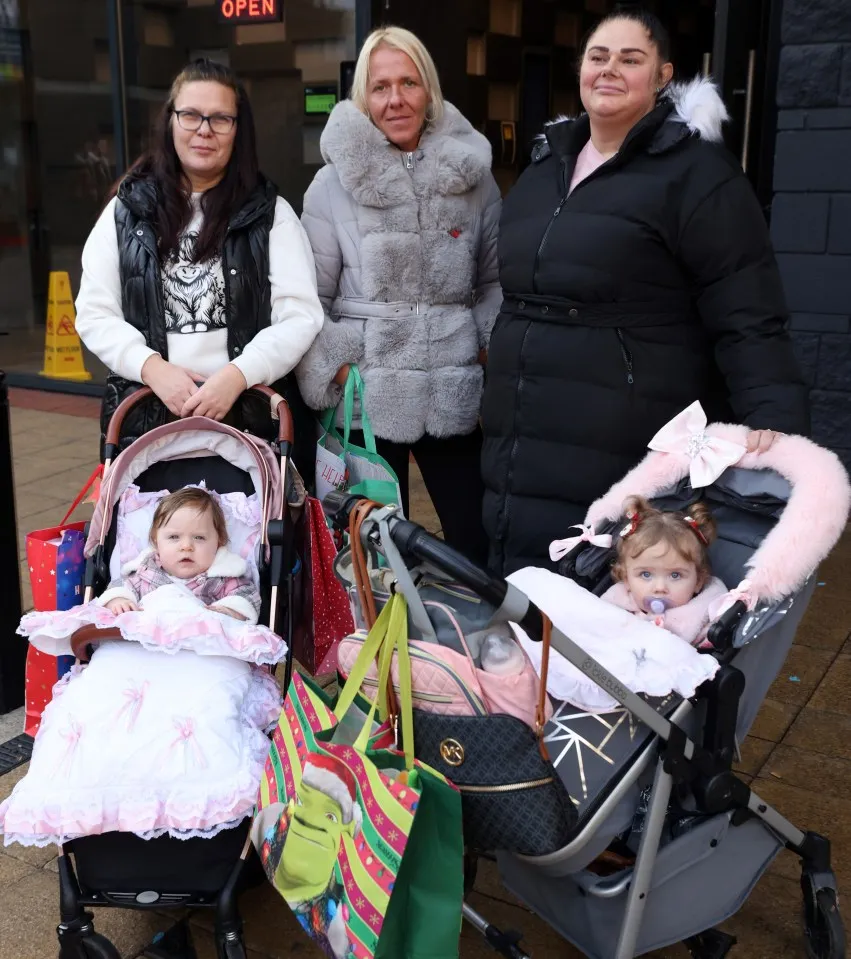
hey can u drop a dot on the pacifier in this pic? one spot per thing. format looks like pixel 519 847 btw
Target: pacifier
pixel 657 605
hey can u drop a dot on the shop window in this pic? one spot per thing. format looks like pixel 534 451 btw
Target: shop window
pixel 103 63
pixel 502 101
pixel 505 17
pixel 319 60
pixel 156 29
pixel 261 33
pixel 567 29
pixel 476 55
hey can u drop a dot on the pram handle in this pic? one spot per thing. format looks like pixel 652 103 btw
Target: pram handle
pixel 278 406
pixel 412 540
pixel 85 636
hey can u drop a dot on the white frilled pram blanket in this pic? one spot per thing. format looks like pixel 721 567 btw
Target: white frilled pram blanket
pixel 141 742
pixel 645 657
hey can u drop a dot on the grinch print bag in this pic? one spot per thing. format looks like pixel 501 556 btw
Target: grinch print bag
pixel 337 822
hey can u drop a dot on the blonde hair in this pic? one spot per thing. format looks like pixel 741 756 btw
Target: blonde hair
pixel 194 498
pixel 397 38
pixel 688 533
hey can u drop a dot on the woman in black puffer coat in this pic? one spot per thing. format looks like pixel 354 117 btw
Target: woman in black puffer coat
pixel 638 277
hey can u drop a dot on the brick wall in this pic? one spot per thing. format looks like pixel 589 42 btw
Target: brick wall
pixel 811 214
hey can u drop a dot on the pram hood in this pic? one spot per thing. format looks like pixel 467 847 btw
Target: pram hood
pixel 818 495
pixel 193 437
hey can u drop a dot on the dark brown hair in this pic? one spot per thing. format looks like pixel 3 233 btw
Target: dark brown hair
pixel 653 26
pixel 651 526
pixel 162 164
pixel 194 498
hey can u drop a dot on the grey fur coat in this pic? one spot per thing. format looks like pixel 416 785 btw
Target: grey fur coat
pixel 406 263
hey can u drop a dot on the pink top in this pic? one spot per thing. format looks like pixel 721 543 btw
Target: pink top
pixel 586 163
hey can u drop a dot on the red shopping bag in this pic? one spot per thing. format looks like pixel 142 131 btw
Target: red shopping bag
pixel 57 566
pixel 327 615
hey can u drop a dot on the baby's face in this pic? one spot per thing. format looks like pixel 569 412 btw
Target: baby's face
pixel 660 572
pixel 187 543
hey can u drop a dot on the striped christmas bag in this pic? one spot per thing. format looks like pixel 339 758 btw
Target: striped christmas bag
pixel 362 842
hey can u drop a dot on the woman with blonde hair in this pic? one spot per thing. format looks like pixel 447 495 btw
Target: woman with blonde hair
pixel 403 224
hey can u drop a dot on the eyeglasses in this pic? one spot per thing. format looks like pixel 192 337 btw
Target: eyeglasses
pixel 192 121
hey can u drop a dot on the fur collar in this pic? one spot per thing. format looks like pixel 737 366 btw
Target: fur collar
pixel 808 529
pixel 225 563
pixel 695 103
pixel 371 169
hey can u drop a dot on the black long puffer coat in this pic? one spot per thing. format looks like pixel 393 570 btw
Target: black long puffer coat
pixel 652 285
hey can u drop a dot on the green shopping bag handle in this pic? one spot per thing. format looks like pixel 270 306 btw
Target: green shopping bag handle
pixel 390 633
pixel 354 384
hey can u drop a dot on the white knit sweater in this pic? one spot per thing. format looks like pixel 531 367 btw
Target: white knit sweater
pixel 195 307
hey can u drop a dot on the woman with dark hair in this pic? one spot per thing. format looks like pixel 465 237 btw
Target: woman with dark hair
pixel 198 279
pixel 638 277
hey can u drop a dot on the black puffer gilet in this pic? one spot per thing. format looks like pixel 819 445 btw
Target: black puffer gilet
pixel 245 268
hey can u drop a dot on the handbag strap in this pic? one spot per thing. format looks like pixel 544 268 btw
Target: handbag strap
pixel 360 566
pixel 355 384
pixel 363 584
pixel 388 635
pixel 541 712
pixel 97 472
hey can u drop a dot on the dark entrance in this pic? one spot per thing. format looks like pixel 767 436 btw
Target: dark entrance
pixel 508 64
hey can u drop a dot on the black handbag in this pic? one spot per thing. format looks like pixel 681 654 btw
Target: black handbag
pixel 512 797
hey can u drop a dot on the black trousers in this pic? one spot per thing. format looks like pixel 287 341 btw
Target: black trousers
pixel 451 470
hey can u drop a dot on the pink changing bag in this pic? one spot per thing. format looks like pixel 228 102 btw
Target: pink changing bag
pixel 449 683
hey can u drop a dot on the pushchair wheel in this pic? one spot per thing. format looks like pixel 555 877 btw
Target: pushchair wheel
pixel 97 946
pixel 91 946
pixel 230 949
pixel 823 929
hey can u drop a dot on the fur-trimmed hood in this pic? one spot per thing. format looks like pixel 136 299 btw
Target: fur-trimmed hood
pixel 371 168
pixel 225 565
pixel 691 108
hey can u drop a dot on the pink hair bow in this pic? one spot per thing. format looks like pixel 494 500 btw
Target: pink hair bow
pixel 561 547
pixel 686 435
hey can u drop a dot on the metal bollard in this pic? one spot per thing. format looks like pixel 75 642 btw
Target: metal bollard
pixel 13 648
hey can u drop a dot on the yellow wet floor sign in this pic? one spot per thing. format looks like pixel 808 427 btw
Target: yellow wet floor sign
pixel 63 355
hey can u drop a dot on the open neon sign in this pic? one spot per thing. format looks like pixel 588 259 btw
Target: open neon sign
pixel 250 11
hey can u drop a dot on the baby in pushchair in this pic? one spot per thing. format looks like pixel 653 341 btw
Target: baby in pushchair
pixel 145 743
pixel 148 760
pixel 645 727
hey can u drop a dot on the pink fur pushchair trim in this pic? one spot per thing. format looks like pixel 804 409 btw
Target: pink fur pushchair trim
pixel 810 526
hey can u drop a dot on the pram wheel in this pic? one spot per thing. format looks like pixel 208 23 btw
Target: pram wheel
pixel 230 949
pixel 91 946
pixel 823 929
pixel 97 946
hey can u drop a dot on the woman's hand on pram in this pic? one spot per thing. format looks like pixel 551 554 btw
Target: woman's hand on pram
pixel 173 384
pixel 760 441
pixel 121 605
pixel 217 395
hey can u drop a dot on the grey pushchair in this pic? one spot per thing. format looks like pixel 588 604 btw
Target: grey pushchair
pixel 653 779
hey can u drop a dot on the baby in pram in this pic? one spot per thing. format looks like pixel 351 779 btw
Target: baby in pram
pixel 662 571
pixel 137 741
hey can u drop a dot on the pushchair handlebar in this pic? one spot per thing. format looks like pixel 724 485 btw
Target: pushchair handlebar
pixel 413 541
pixel 278 407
